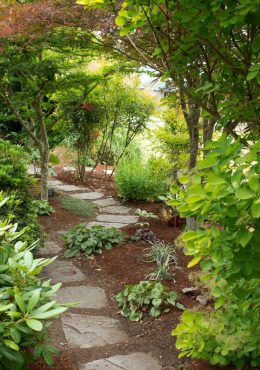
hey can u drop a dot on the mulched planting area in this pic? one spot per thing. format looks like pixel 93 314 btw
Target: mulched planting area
pixel 113 269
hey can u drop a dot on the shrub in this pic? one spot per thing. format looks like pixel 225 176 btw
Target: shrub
pixel 76 206
pixel 13 167
pixel 224 190
pixel 42 207
pixel 141 180
pixel 146 296
pixel 163 255
pixel 25 302
pixel 91 241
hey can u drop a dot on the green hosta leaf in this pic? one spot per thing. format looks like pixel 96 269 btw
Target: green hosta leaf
pixel 34 324
pixel 255 209
pixel 244 192
pixel 156 302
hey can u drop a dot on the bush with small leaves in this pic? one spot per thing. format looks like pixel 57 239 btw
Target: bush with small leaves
pixel 91 241
pixel 148 296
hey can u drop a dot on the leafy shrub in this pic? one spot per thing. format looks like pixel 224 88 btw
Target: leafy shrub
pixel 42 207
pixel 141 180
pixel 146 295
pixel 13 167
pixel 76 206
pixel 230 335
pixel 91 241
pixel 163 255
pixel 16 184
pixel 143 234
pixel 25 302
pixel 224 190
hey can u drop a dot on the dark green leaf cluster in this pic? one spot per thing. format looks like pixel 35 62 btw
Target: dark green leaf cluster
pixel 91 241
pixel 149 296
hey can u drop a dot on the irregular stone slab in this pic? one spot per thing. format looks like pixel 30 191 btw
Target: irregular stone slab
pixel 88 196
pixel 105 224
pixel 50 248
pixel 54 183
pixel 106 202
pixel 118 218
pixel 134 361
pixel 67 187
pixel 63 271
pixel 116 209
pixel 88 296
pixel 88 331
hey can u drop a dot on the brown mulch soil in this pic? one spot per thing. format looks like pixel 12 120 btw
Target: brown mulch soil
pixel 112 270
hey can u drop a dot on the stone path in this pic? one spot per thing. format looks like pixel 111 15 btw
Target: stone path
pixel 86 330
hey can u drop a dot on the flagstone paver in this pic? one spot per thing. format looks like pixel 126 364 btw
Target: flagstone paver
pixel 87 296
pixel 117 225
pixel 88 196
pixel 88 331
pixel 116 210
pixel 54 183
pixel 105 202
pixel 69 188
pixel 133 361
pixel 49 248
pixel 118 218
pixel 63 271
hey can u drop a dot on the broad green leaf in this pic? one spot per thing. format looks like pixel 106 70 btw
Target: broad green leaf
pixel 34 299
pixel 194 262
pixel 48 314
pixel 11 344
pixel 34 324
pixel 255 209
pixel 244 237
pixel 120 21
pixel 244 192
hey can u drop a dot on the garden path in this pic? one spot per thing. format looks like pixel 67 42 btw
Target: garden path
pixel 91 328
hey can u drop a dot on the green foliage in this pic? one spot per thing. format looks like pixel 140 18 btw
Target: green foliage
pixel 13 167
pixel 91 241
pixel 146 296
pixel 139 179
pixel 76 206
pixel 163 255
pixel 42 207
pixel 230 335
pixel 16 185
pixel 144 214
pixel 224 190
pixel 25 301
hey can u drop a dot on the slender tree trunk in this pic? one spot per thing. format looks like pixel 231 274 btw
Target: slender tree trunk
pixel 44 172
pixel 208 129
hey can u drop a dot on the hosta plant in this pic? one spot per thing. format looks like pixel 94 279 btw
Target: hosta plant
pixel 42 207
pixel 146 296
pixel 91 241
pixel 25 302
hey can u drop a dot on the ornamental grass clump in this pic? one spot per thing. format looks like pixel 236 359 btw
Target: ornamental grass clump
pixel 91 241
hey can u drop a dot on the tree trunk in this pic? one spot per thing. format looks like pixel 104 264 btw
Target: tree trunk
pixel 44 172
pixel 208 129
